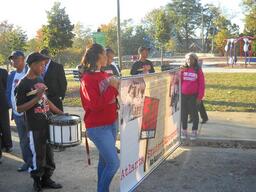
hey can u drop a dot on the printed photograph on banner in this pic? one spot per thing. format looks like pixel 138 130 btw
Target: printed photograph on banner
pixel 174 92
pixel 149 118
pixel 132 99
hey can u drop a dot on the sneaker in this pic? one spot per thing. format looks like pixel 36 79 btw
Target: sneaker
pixel 8 149
pixel 23 168
pixel 184 134
pixel 50 184
pixel 193 135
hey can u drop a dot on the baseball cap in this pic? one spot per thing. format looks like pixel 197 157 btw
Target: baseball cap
pixel 141 48
pixel 45 52
pixel 35 57
pixel 16 54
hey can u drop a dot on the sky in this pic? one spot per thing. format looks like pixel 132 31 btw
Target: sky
pixel 31 14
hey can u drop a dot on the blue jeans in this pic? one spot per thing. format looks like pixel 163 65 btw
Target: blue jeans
pixel 104 137
pixel 24 140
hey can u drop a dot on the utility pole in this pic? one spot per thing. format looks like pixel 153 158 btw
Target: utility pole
pixel 119 35
pixel 203 30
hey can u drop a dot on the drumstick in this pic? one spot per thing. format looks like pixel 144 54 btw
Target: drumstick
pixel 87 149
pixel 33 92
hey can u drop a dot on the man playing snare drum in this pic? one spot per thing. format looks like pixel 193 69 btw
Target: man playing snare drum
pixel 31 99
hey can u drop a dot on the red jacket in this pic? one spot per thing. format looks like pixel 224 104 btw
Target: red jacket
pixel 98 100
pixel 192 83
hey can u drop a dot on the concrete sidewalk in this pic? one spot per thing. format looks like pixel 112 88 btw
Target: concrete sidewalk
pixel 229 125
pixel 222 125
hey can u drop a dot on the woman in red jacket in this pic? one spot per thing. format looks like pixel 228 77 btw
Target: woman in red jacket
pixel 98 94
pixel 192 93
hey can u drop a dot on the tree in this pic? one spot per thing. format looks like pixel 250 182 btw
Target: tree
pixel 250 17
pixel 220 38
pixel 11 38
pixel 110 31
pixel 83 37
pixel 159 27
pixel 187 16
pixel 57 34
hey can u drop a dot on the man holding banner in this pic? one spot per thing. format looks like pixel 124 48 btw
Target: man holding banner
pixel 143 65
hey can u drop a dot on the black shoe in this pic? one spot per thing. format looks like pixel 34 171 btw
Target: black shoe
pixel 50 184
pixel 8 149
pixel 23 168
pixel 204 121
pixel 37 187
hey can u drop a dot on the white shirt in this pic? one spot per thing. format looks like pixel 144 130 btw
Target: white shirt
pixel 117 69
pixel 16 80
pixel 46 67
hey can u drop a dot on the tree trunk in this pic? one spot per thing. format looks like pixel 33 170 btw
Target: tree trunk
pixel 162 55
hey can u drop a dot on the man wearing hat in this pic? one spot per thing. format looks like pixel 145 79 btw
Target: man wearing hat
pixel 31 100
pixel 143 65
pixel 5 131
pixel 17 59
pixel 55 79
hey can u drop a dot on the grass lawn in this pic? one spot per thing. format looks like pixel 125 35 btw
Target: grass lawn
pixel 231 92
pixel 224 92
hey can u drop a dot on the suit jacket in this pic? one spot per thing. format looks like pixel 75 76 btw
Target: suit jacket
pixel 3 85
pixel 56 82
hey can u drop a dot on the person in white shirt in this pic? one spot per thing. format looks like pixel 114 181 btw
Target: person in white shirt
pixel 17 59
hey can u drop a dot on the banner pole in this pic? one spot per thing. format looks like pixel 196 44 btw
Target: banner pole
pixel 119 36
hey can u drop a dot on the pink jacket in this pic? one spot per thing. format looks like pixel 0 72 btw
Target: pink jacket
pixel 192 83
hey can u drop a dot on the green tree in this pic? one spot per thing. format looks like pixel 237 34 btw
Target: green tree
pixel 159 27
pixel 58 33
pixel 220 38
pixel 250 17
pixel 110 30
pixel 187 16
pixel 83 37
pixel 11 38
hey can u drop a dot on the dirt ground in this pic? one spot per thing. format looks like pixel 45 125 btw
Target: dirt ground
pixel 189 169
pixel 204 169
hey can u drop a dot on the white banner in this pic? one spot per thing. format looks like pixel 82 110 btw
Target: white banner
pixel 149 124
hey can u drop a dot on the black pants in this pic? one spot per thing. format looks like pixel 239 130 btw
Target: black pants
pixel 189 106
pixel 43 164
pixel 5 129
pixel 202 112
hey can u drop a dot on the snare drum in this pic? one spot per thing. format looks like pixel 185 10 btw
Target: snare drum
pixel 65 130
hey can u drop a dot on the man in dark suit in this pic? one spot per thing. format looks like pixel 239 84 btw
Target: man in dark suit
pixel 5 131
pixel 55 79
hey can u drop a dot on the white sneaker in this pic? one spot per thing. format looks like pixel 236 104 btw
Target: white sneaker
pixel 193 135
pixel 184 134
